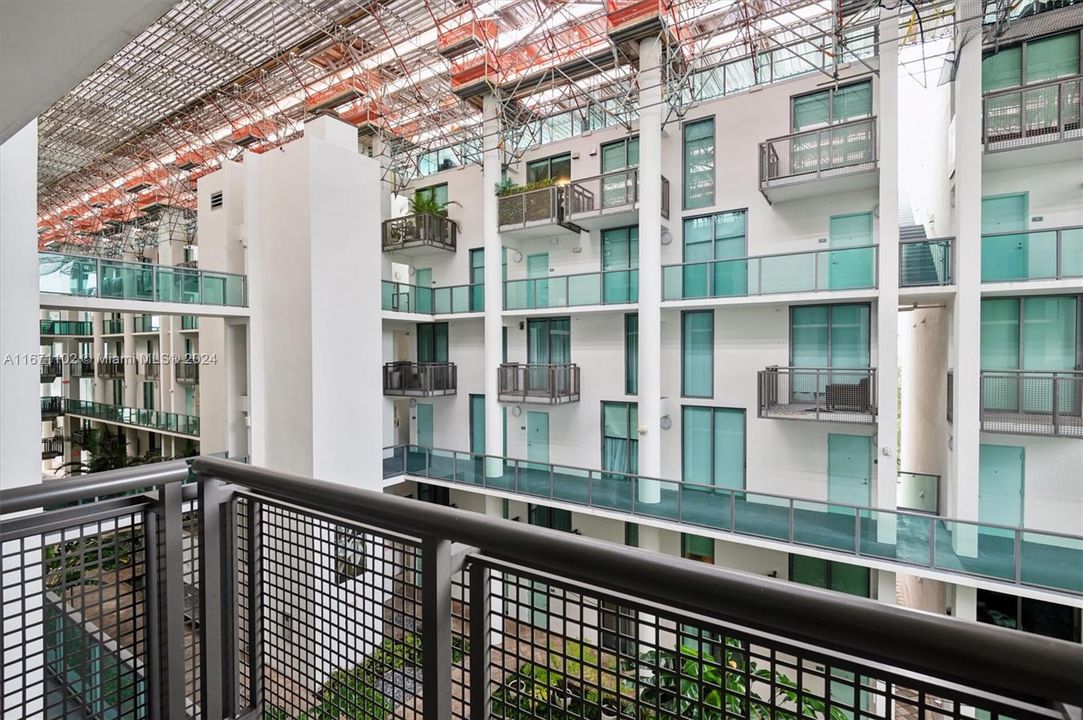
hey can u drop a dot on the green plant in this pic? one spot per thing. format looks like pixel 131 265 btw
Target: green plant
pixel 507 187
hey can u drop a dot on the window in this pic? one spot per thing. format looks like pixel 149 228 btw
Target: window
pixel 434 194
pixel 435 494
pixel 715 246
pixel 1031 333
pixel 477 279
pixel 620 260
pixel 831 106
pixel 823 336
pixel 698 548
pixel 552 518
pixel 830 575
pixel 556 168
pixel 713 446
pixel 699 163
pixel 697 353
pixel 1032 62
pixel 432 342
pixel 118 392
pixel 623 153
pixel 631 534
pixel 549 341
pixel 1029 615
pixel 620 437
pixel 477 425
pixel 148 395
pixel 631 354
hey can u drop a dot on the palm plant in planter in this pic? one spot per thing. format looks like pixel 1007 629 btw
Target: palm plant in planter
pixel 429 215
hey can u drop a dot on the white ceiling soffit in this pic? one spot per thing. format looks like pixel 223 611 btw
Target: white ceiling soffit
pixel 48 46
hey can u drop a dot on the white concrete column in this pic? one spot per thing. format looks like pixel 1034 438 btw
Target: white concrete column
pixel 886 590
pixel 966 322
pixel 887 306
pixel 494 295
pixel 965 606
pixel 650 264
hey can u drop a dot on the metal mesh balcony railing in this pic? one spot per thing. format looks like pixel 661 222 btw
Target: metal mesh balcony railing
pixel 1047 112
pixel 1047 254
pixel 151 370
pixel 841 149
pixel 538 383
pixel 427 230
pixel 1027 402
pixel 926 262
pixel 542 206
pixel 52 447
pixel 50 368
pixel 609 193
pixel 308 599
pixel 420 379
pixel 827 394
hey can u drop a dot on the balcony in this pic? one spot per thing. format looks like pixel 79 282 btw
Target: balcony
pixel 113 326
pixel 833 159
pixel 411 610
pixel 449 300
pixel 147 324
pixel 609 287
pixel 846 395
pixel 50 369
pixel 1032 116
pixel 420 233
pixel 187 425
pixel 71 328
pixel 542 384
pixel 187 373
pixel 411 379
pixel 85 276
pixel 81 368
pixel 850 268
pixel 1053 254
pixel 926 263
pixel 536 213
pixel 113 369
pixel 51 406
pixel 52 447
pixel 609 200
pixel 1027 402
pixel 151 370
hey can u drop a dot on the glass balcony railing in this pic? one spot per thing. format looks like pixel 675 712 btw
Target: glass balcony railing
pixel 52 405
pixel 423 230
pixel 598 288
pixel 1047 112
pixel 67 327
pixel 1009 554
pixel 851 268
pixel 146 323
pixel 925 262
pixel 1053 254
pixel 840 149
pixel 450 300
pixel 136 417
pixel 825 394
pixel 115 279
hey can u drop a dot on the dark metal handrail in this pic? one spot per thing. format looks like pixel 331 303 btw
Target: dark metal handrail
pixel 832 393
pixel 1031 114
pixel 1032 402
pixel 412 378
pixel 51 368
pixel 538 382
pixel 423 229
pixel 779 155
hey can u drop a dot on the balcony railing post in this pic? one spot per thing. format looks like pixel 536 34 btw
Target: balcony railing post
pixel 1059 269
pixel 480 619
pixel 790 520
pixel 217 666
pixel 164 587
pixel 1017 554
pixel 1056 394
pixel 436 581
pixel 254 616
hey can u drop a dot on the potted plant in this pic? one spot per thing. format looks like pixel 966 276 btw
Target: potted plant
pixel 422 208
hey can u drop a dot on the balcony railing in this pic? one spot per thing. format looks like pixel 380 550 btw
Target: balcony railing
pixel 850 268
pixel 147 323
pixel 598 288
pixel 52 447
pixel 917 538
pixel 825 394
pixel 842 149
pixel 50 368
pixel 547 384
pixel 1047 112
pixel 449 300
pixel 82 368
pixel 78 328
pixel 1053 254
pixel 113 368
pixel 925 262
pixel 187 372
pixel 319 599
pixel 534 208
pixel 151 370
pixel 80 436
pixel 1028 402
pixel 112 326
pixel 424 230
pixel 918 492
pixel 189 322
pixel 136 417
pixel 86 276
pixel 420 379
pixel 613 193
pixel 51 405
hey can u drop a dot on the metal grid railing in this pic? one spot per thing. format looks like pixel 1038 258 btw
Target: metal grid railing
pixel 52 405
pixel 187 372
pixel 52 447
pixel 598 195
pixel 50 368
pixel 829 394
pixel 1027 402
pixel 839 149
pixel 83 367
pixel 925 262
pixel 533 207
pixel 1034 115
pixel 320 600
pixel 420 379
pixel 420 230
pixel 539 383
pixel 112 368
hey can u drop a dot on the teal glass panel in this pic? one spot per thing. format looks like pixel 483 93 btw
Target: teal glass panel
pixel 729 278
pixel 849 336
pixel 809 339
pixel 614 156
pixel 1049 333
pixel 1052 561
pixel 761 515
pixel 1071 253
pixel 971 548
pixel 620 252
pixel 820 525
pixel 178 286
pixel 424 424
pixel 1000 334
pixel 517 294
pixel 783 273
pixel 477 280
pixel 697 353
pixel 808 571
pixel 811 110
pixel 696 444
pixel 852 101
pixel 1001 70
pixel 850 579
pixel 698 246
pixel 477 424
pixel 584 289
pixel 728 441
pixel 631 354
pixel 699 163
pixel 1053 57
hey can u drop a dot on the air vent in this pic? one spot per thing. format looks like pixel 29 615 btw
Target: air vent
pixel 216 200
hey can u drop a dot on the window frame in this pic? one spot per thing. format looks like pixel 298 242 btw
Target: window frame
pixel 631 384
pixel 549 167
pixel 830 306
pixel 684 162
pixel 744 464
pixel 831 105
pixel 1023 49
pixel 633 435
pixel 684 386
pixel 625 141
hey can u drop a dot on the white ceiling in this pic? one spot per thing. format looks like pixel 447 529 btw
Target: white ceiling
pixel 48 46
